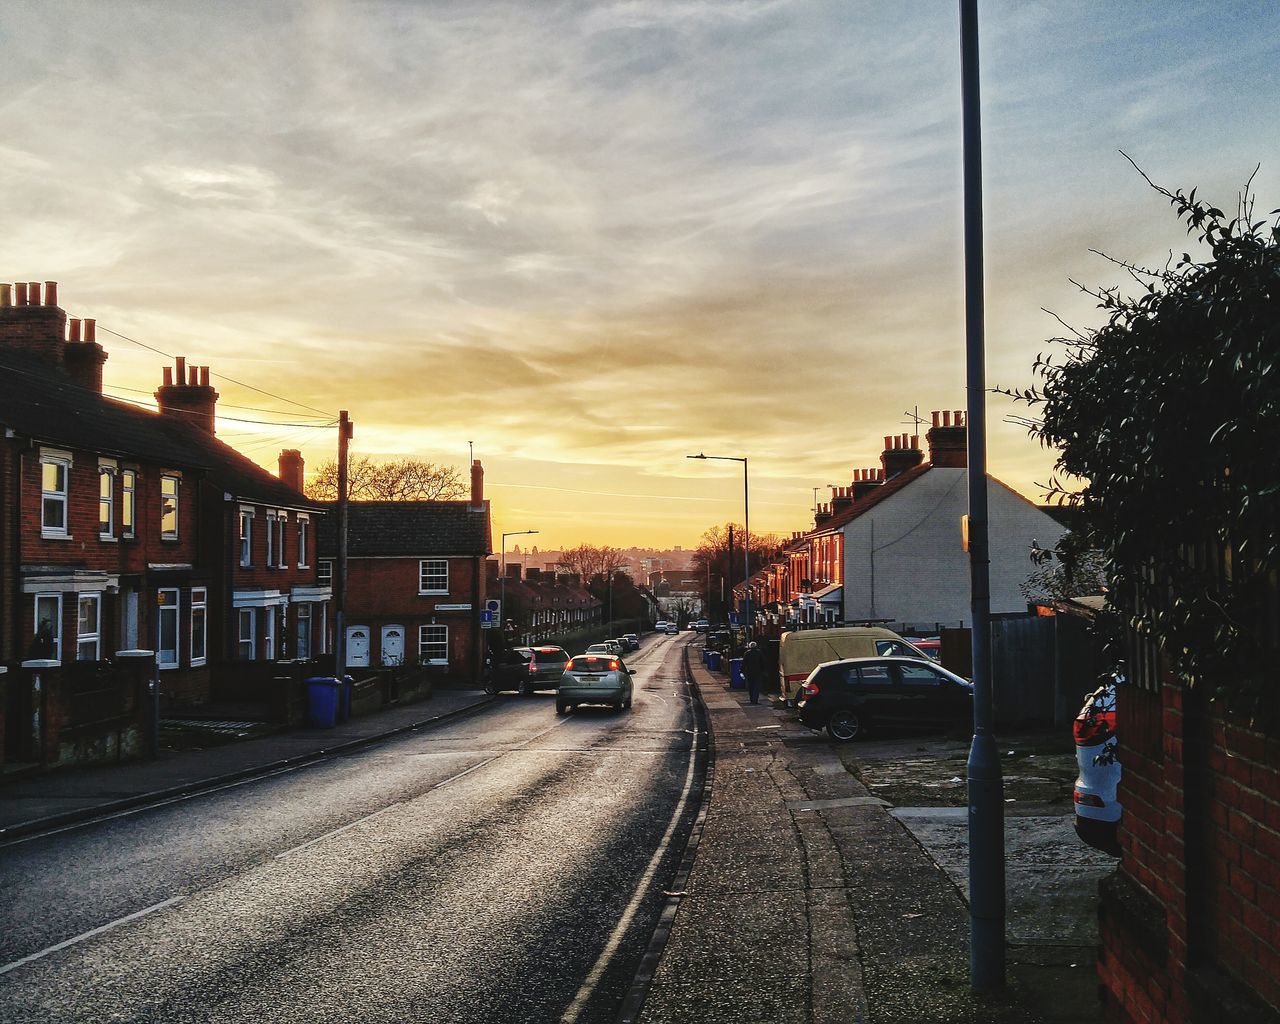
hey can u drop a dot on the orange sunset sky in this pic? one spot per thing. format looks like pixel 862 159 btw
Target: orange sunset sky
pixel 593 238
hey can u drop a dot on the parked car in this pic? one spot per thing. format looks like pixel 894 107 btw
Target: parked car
pixel 802 650
pixel 673 627
pixel 1098 810
pixel 526 669
pixel 930 646
pixel 630 641
pixel 610 647
pixel 701 626
pixel 846 697
pixel 594 679
pixel 661 626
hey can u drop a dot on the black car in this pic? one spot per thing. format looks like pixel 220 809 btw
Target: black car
pixel 846 697
pixel 526 669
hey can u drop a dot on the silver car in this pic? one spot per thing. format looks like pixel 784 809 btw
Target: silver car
pixel 594 679
pixel 611 647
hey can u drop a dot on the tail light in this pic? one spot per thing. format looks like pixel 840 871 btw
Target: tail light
pixel 808 691
pixel 533 665
pixel 1088 799
pixel 568 665
pixel 613 665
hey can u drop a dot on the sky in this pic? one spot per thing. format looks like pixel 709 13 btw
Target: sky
pixel 595 238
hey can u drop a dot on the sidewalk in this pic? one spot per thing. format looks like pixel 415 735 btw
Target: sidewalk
pixel 808 901
pixel 31 803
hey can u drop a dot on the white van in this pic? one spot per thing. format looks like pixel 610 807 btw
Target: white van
pixel 800 652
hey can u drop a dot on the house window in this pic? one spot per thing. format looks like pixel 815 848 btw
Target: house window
pixel 88 627
pixel 281 519
pixel 48 621
pixel 246 538
pixel 304 524
pixel 246 648
pixel 269 633
pixel 106 502
pixel 324 572
pixel 271 539
pixel 128 502
pixel 303 644
pixel 433 645
pixel 199 624
pixel 167 629
pixel 433 576
pixel 169 507
pixel 54 473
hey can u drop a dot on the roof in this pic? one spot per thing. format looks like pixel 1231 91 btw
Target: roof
pixel 43 402
pixel 871 499
pixel 409 528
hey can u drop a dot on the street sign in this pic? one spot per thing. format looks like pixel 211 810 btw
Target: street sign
pixel 733 618
pixel 488 620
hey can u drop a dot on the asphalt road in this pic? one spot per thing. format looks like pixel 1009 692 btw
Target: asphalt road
pixel 502 867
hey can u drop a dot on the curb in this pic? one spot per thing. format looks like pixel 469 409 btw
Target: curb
pixel 633 1002
pixel 159 796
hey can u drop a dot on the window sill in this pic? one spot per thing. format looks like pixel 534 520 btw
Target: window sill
pixel 168 666
pixel 49 535
pixel 433 593
pixel 105 538
pixel 198 662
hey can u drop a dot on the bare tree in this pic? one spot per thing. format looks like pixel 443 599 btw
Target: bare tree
pixel 400 479
pixel 590 560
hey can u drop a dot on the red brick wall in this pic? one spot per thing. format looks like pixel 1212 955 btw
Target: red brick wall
pixel 1191 923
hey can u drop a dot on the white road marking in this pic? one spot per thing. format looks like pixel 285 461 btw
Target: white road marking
pixel 91 933
pixel 579 1003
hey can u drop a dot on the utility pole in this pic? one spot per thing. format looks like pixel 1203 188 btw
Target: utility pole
pixel 346 431
pixel 986 789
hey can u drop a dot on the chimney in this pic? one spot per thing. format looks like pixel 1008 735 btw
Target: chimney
pixel 82 359
pixel 948 441
pixel 291 468
pixel 191 400
pixel 822 515
pixel 865 481
pixel 841 499
pixel 28 326
pixel 477 485
pixel 901 453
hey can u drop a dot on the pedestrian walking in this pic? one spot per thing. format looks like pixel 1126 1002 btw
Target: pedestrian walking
pixel 753 669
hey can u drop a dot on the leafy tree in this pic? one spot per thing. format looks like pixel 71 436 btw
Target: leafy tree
pixel 714 562
pixel 401 479
pixel 1072 569
pixel 1167 424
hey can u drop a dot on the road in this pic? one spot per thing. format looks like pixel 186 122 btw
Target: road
pixel 505 866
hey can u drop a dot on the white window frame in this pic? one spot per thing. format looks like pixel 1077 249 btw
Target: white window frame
pixel 177 505
pixel 128 502
pixel 249 615
pixel 61 460
pixel 304 527
pixel 425 644
pixel 57 622
pixel 107 502
pixel 271 539
pixel 93 636
pixel 282 520
pixel 246 538
pixel 168 658
pixel 424 577
pixel 199 603
pixel 269 634
pixel 324 572
pixel 304 615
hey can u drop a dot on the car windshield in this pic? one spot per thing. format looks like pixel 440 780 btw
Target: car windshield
pixel 591 663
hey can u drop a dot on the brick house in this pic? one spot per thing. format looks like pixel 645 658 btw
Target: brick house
pixel 115 519
pixel 415 581
pixel 539 605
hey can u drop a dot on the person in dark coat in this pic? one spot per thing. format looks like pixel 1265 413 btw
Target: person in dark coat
pixel 753 669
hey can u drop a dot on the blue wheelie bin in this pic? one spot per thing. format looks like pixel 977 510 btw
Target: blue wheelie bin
pixel 322 702
pixel 713 660
pixel 737 681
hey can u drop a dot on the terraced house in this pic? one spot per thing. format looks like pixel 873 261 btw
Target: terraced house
pixel 125 528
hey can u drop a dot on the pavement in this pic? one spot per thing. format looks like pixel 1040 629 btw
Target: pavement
pixel 809 893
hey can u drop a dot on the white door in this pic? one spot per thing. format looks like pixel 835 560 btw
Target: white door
pixel 393 645
pixel 358 646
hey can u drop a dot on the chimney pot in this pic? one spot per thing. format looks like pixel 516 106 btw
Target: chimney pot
pixel 6 295
pixel 291 468
pixel 20 290
pixel 936 416
pixel 33 291
pixel 180 375
pixel 946 418
pixel 91 330
pixel 73 330
pixel 51 293
pixel 915 441
pixel 477 484
pixel 888 442
pixel 168 376
pixel 959 418
pixel 204 376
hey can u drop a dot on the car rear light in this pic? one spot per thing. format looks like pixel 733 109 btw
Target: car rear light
pixel 1088 799
pixel 533 665
pixel 1094 727
pixel 808 691
pixel 613 665
pixel 568 665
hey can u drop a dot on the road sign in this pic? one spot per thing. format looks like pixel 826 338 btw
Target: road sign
pixel 488 620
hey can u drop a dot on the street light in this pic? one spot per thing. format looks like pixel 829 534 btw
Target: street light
pixel 746 528
pixel 502 580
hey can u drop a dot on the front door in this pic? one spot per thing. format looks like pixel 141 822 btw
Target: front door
pixel 393 645
pixel 358 646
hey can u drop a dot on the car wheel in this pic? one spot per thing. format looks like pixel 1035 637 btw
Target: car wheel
pixel 626 704
pixel 845 725
pixel 561 707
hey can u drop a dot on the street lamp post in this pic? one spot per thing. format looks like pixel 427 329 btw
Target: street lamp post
pixel 746 530
pixel 502 580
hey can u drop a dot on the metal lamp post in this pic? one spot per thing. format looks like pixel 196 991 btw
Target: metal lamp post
pixel 746 530
pixel 502 580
